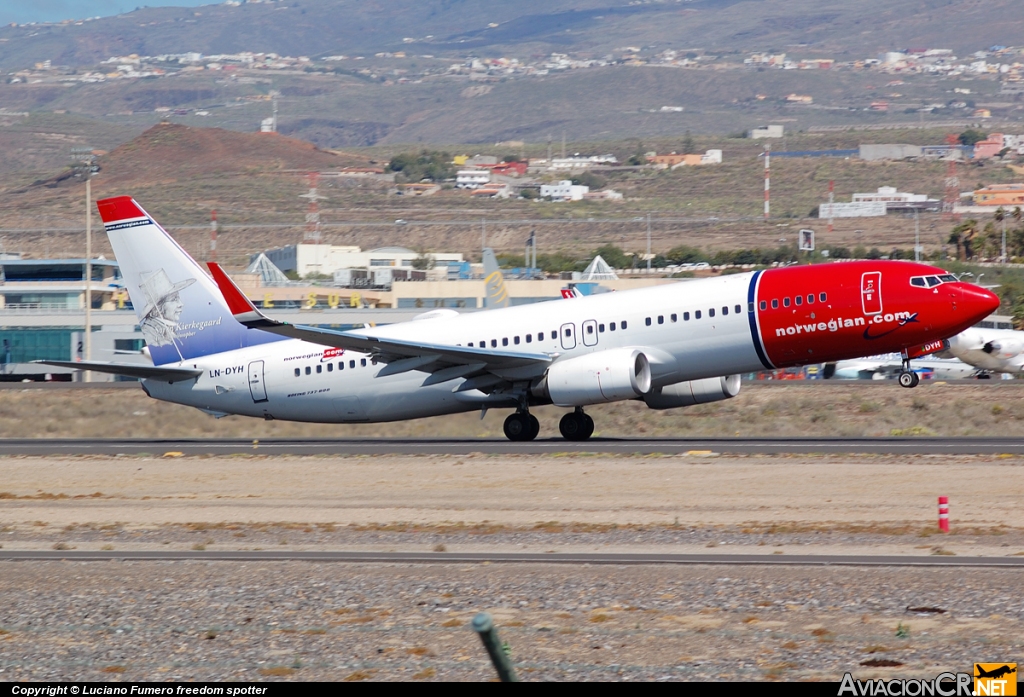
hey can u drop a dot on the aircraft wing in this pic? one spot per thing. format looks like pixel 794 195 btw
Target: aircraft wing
pixel 133 370
pixel 401 355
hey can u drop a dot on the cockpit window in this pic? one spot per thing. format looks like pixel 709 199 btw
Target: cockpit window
pixel 932 281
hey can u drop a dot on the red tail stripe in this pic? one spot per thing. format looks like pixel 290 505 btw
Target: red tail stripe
pixel 119 208
pixel 236 300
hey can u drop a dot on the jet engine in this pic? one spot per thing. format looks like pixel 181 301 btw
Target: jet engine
pixel 685 394
pixel 1003 348
pixel 604 376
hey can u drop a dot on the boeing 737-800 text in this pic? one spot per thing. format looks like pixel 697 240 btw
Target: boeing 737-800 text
pixel 669 346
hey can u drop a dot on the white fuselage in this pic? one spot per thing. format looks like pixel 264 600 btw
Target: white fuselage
pixel 296 380
pixel 996 350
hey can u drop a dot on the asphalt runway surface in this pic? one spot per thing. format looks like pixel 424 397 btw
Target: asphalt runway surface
pixel 428 446
pixel 520 558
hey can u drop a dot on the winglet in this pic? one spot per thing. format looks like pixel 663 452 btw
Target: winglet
pixel 239 305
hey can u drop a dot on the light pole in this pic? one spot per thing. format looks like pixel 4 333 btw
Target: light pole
pixel 648 243
pixel 86 157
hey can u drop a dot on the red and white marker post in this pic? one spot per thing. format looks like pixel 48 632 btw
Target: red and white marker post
pixel 944 513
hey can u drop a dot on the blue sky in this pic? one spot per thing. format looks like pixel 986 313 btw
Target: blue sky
pixel 21 11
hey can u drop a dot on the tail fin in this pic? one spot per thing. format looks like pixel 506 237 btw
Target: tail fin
pixel 181 312
pixel 497 294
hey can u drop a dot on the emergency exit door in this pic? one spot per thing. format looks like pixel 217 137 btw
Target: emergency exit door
pixel 257 389
pixel 871 292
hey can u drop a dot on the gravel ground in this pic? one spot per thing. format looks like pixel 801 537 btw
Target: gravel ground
pixel 259 621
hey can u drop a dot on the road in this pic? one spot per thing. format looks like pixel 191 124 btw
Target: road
pixel 428 446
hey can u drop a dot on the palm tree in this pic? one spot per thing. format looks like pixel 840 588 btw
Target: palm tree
pixel 1000 217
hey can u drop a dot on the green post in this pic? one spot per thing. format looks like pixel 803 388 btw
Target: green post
pixel 484 626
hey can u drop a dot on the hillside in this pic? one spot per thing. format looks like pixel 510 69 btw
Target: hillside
pixel 321 27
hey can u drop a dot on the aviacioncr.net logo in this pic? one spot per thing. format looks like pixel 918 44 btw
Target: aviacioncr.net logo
pixel 943 685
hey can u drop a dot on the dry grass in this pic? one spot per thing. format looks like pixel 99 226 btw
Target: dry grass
pixel 836 409
pixel 277 671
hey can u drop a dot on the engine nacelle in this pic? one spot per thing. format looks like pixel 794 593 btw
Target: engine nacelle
pixel 685 394
pixel 604 376
pixel 1003 348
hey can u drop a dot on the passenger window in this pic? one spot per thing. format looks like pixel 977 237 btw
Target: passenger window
pixel 330 367
pixel 764 305
pixel 775 303
pixel 622 324
pixel 661 319
pixel 494 343
pixel 568 332
pixel 711 312
pixel 725 310
pixel 362 362
pixel 647 321
pixel 696 314
pixel 673 317
pixel 799 300
pixel 298 372
pixel 341 365
pixel 319 369
pixel 810 298
pixel 600 328
pixel 504 341
pixel 590 329
pixel 308 370
pixel 739 309
pixel 611 326
pixel 785 302
pixel 352 364
pixel 686 316
pixel 470 344
pixel 822 297
pixel 529 338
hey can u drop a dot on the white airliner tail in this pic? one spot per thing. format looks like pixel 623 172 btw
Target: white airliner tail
pixel 181 312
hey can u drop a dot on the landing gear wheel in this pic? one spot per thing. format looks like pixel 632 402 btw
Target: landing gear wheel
pixel 521 426
pixel 534 426
pixel 909 379
pixel 576 426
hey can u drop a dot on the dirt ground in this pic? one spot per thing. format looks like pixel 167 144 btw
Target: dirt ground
pixel 849 500
pixel 843 408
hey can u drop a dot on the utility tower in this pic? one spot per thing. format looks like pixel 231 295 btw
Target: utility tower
pixel 767 179
pixel 312 234
pixel 213 235
pixel 952 196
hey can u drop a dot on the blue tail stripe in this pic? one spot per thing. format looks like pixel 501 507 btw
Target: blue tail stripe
pixel 752 316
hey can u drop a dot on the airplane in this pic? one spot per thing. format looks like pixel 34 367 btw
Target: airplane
pixel 888 365
pixel 669 346
pixel 994 350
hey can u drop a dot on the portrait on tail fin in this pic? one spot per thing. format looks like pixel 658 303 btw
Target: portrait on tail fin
pixel 163 307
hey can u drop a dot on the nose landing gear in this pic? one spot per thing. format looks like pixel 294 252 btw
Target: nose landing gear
pixel 521 426
pixel 576 425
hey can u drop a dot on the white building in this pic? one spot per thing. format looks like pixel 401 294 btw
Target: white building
pixel 472 178
pixel 774 131
pixel 564 190
pixel 889 194
pixel 306 259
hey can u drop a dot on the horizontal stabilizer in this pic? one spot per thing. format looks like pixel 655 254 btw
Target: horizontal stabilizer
pixel 132 370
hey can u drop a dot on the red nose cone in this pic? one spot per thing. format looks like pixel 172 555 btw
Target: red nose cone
pixel 978 303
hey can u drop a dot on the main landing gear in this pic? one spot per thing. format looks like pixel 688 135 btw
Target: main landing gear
pixel 521 426
pixel 576 425
pixel 908 378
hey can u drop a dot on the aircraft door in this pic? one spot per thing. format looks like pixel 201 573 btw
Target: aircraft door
pixel 568 335
pixel 590 332
pixel 871 292
pixel 257 388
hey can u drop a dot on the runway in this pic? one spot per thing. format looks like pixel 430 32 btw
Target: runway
pixel 427 446
pixel 520 558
